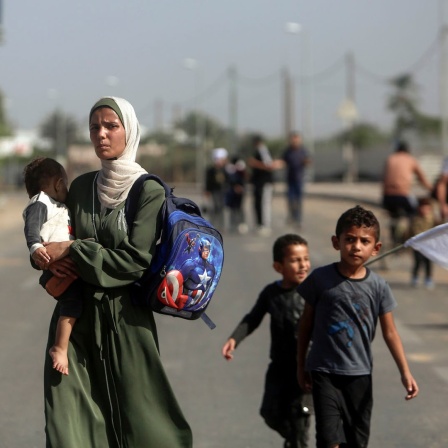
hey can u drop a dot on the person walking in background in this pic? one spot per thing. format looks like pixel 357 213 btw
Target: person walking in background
pixel 296 158
pixel 343 303
pixel 422 221
pixel 117 393
pixel 285 408
pixel 216 186
pixel 262 166
pixel 398 175
pixel 236 177
pixel 441 191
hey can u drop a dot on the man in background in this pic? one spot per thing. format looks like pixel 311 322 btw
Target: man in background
pixel 295 159
pixel 399 172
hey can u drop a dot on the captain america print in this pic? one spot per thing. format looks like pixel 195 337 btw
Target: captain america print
pixel 189 286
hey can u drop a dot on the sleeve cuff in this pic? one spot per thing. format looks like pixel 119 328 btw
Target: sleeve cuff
pixel 34 247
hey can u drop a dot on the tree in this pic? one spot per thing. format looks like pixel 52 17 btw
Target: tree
pixel 197 124
pixel 5 127
pixel 362 135
pixel 62 129
pixel 403 103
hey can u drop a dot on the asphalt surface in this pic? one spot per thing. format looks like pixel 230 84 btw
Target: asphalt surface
pixel 221 399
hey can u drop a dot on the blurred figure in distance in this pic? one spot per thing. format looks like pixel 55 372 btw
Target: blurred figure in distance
pixel 216 185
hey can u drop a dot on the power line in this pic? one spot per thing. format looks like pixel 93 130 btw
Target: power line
pixel 414 68
pixel 322 75
pixel 206 93
pixel 258 81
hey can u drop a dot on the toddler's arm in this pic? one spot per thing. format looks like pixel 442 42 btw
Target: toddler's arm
pixel 395 346
pixel 228 349
pixel 40 256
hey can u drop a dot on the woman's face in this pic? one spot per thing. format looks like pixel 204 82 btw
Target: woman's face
pixel 107 134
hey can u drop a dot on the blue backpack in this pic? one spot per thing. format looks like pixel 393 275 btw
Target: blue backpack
pixel 188 260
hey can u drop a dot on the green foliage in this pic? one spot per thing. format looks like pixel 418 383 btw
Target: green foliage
pixel 5 127
pixel 198 124
pixel 403 102
pixel 362 135
pixel 428 125
pixel 62 129
pixel 159 137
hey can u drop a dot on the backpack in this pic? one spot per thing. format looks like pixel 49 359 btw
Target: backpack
pixel 188 260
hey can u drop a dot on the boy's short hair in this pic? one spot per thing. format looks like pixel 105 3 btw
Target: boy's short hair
pixel 283 242
pixel 358 217
pixel 38 173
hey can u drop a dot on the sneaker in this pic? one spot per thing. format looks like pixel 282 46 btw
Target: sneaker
pixel 429 284
pixel 264 231
pixel 243 228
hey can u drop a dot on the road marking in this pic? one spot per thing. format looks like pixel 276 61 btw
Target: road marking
pixel 420 357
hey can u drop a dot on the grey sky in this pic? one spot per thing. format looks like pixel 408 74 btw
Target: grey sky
pixel 59 52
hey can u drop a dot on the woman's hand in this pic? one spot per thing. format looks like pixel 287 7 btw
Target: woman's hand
pixel 56 251
pixel 63 268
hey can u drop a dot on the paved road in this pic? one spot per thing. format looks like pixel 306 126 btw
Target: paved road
pixel 221 399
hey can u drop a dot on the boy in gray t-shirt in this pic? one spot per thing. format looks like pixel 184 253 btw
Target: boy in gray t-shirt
pixel 344 301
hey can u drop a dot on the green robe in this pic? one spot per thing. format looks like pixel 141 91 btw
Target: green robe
pixel 116 393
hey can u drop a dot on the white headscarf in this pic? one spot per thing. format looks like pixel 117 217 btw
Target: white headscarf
pixel 116 177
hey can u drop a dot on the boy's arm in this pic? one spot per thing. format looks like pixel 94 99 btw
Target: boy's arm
pixel 305 329
pixel 393 342
pixel 249 323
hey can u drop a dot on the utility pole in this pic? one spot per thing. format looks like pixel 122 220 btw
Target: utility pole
pixel 176 114
pixel 443 81
pixel 350 93
pixel 348 113
pixel 158 115
pixel 1 22
pixel 288 102
pixel 233 108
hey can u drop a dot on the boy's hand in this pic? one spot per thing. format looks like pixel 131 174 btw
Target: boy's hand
pixel 304 380
pixel 228 349
pixel 411 387
pixel 40 256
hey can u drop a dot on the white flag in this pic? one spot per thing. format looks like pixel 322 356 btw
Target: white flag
pixel 433 244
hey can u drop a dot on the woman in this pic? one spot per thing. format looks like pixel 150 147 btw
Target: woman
pixel 117 393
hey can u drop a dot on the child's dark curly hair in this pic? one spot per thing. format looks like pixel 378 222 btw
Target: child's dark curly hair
pixel 358 217
pixel 283 242
pixel 39 172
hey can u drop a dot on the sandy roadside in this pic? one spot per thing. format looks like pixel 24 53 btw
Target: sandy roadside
pixel 11 208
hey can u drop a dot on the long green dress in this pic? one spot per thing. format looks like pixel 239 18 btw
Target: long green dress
pixel 116 393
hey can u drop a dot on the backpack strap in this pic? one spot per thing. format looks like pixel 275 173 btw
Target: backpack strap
pixel 130 208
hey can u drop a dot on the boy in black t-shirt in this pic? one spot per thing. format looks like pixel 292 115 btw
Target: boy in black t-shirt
pixel 285 408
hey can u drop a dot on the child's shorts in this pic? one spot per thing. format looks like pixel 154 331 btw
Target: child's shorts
pixel 70 301
pixel 343 408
